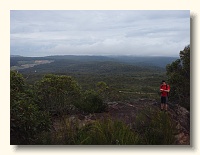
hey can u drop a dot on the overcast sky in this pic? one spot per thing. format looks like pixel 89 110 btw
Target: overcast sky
pixel 146 33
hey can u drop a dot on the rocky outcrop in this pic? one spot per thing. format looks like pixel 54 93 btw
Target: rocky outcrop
pixel 182 118
pixel 128 111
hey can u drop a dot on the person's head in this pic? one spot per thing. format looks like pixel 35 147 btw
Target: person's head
pixel 163 82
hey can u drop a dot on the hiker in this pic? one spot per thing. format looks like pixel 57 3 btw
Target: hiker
pixel 164 89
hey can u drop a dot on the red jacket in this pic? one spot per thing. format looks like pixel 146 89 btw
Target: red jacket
pixel 164 87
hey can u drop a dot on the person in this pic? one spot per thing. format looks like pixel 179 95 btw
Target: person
pixel 164 89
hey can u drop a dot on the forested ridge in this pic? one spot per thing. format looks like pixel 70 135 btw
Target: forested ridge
pixel 80 100
pixel 133 60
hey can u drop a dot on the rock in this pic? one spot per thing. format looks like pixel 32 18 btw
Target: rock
pixel 182 139
pixel 181 117
pixel 128 111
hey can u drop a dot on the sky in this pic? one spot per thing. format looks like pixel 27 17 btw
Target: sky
pixel 99 32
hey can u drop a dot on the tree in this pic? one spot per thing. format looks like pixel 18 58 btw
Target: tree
pixel 178 73
pixel 17 85
pixel 57 93
pixel 26 120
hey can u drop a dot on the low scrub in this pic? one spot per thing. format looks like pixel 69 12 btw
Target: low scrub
pixel 108 132
pixel 100 132
pixel 150 128
pixel 155 127
pixel 91 102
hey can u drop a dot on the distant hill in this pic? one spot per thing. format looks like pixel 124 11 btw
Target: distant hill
pixel 92 64
pixel 15 56
pixel 85 58
pixel 146 61
pixel 133 60
pixel 71 66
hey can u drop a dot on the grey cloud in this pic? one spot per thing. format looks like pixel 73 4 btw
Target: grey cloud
pixel 99 32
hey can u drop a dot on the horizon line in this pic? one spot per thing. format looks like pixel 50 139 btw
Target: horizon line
pixel 128 55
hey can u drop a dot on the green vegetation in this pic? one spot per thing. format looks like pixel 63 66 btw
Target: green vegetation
pixel 91 102
pixel 30 119
pixel 158 131
pixel 117 75
pixel 107 132
pixel 45 98
pixel 100 132
pixel 156 128
pixel 56 94
pixel 179 78
pixel 26 119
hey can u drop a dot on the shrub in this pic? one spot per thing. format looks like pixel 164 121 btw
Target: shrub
pixel 91 102
pixel 155 128
pixel 57 93
pixel 64 134
pixel 100 132
pixel 107 132
pixel 103 90
pixel 26 119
